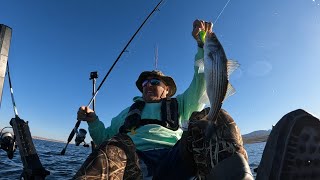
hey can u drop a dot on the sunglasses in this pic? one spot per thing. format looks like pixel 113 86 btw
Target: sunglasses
pixel 153 82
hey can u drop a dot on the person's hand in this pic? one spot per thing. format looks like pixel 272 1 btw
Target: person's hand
pixel 198 26
pixel 86 114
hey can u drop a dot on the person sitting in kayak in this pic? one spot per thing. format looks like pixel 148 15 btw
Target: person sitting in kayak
pixel 147 140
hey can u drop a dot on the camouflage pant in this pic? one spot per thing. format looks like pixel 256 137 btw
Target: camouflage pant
pixel 115 159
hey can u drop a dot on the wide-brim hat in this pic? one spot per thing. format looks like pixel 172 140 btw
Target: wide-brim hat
pixel 167 80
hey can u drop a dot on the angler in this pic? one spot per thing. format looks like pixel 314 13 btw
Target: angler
pixel 290 152
pixel 146 139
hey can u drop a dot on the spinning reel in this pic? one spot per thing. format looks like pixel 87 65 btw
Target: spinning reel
pixel 80 137
pixel 7 142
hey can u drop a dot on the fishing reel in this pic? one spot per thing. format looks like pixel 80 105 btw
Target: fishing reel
pixel 80 137
pixel 7 143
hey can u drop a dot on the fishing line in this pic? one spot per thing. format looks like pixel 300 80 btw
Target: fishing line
pixel 221 12
pixel 156 57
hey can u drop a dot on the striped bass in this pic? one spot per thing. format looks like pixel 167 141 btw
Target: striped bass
pixel 217 70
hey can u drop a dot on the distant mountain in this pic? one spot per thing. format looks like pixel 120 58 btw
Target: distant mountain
pixel 257 133
pixel 256 136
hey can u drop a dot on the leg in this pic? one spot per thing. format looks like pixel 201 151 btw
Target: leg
pixel 114 159
pixel 176 163
pixel 225 143
pixel 293 148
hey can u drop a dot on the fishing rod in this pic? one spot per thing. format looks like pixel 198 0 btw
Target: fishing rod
pixel 7 139
pixel 32 167
pixel 15 110
pixel 74 130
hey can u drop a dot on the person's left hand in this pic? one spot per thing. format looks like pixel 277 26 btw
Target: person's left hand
pixel 200 25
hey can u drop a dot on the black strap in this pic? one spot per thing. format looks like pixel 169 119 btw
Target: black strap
pixel 133 118
pixel 169 116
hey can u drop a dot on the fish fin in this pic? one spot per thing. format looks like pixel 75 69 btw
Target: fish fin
pixel 232 66
pixel 204 99
pixel 200 63
pixel 230 91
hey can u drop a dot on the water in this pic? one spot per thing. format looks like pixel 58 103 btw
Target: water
pixel 64 167
pixel 254 153
pixel 60 167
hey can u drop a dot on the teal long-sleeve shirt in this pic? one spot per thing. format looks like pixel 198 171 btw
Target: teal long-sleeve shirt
pixel 153 136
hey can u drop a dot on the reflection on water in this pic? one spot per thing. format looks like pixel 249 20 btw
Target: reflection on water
pixel 64 167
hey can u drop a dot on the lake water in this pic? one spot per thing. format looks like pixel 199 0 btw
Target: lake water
pixel 64 167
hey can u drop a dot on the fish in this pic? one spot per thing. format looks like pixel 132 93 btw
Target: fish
pixel 217 70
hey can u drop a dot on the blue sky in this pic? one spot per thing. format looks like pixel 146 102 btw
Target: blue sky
pixel 56 44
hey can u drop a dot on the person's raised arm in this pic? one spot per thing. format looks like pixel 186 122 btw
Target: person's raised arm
pixel 189 100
